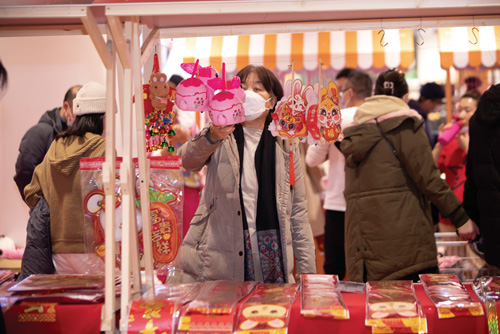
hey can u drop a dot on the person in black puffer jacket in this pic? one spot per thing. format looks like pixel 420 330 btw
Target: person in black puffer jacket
pixel 36 142
pixel 482 187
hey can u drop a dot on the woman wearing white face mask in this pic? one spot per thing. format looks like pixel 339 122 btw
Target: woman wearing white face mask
pixel 250 224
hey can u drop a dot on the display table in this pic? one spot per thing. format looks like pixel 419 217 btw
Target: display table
pixel 86 318
pixel 356 323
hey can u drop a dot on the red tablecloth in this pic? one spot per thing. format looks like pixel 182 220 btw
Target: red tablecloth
pixel 86 318
pixel 53 318
pixel 356 323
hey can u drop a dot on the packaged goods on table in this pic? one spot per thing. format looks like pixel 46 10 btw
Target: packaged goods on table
pixel 267 310
pixel 391 306
pixel 320 298
pixel 214 309
pixel 450 296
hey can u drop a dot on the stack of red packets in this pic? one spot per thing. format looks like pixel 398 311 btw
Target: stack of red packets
pixel 213 310
pixel 320 297
pixel 267 310
pixel 392 307
pixel 450 296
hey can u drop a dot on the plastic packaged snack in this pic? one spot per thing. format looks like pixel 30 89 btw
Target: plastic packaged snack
pixel 450 296
pixel 73 289
pixel 214 309
pixel 320 298
pixel 392 305
pixel 487 288
pixel 421 328
pixel 165 199
pixel 267 310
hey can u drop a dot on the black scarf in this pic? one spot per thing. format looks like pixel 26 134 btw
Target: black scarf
pixel 267 213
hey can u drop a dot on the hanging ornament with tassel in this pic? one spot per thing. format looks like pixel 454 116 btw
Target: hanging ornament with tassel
pixel 159 110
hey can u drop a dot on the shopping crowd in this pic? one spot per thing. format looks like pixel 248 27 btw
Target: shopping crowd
pixel 251 220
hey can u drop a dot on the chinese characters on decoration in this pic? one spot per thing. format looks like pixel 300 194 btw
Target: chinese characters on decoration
pixel 165 207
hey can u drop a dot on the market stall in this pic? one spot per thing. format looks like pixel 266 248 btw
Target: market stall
pixel 337 49
pixel 123 25
pixel 470 47
pixel 149 314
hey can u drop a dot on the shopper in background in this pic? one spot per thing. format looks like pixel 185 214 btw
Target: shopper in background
pixel 37 140
pixel 472 83
pixel 390 176
pixel 57 180
pixel 451 158
pixel 313 183
pixel 482 187
pixel 174 80
pixel 431 100
pixel 316 218
pixel 340 78
pixel 251 222
pixel 353 92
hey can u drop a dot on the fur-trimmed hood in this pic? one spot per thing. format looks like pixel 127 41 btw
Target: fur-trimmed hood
pixel 359 138
pixel 377 106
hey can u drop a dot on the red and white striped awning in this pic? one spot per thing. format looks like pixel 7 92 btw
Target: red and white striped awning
pixel 339 49
pixel 456 50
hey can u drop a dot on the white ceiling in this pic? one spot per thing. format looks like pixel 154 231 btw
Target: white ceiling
pixel 237 17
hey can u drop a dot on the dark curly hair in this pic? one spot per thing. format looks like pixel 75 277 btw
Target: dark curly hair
pixel 392 83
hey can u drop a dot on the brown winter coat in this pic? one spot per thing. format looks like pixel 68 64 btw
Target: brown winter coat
pixel 389 229
pixel 57 178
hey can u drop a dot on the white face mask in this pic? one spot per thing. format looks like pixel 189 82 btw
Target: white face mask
pixel 70 118
pixel 254 105
pixel 70 121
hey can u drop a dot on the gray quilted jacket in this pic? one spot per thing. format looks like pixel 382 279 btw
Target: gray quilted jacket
pixel 213 248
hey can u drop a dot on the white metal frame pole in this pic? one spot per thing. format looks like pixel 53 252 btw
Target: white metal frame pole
pixel 125 167
pixel 134 233
pixel 108 56
pixel 108 176
pixel 143 162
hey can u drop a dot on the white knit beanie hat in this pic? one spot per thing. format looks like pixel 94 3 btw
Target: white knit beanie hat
pixel 90 99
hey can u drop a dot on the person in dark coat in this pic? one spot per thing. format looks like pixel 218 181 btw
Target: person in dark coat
pixel 482 187
pixel 36 142
pixel 390 179
pixel 37 257
pixel 431 96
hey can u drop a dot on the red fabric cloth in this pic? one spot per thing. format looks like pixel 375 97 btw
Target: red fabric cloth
pixel 451 162
pixel 85 318
pixel 69 318
pixel 356 323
